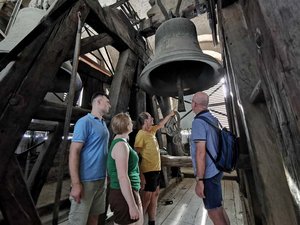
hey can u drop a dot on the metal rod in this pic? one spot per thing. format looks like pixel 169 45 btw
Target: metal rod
pixel 57 96
pixel 13 16
pixel 218 112
pixel 64 143
pixel 186 114
pixel 35 146
pixel 221 85
pixel 2 34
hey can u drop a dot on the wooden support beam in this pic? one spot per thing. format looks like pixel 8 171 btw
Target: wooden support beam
pixel 16 203
pixel 140 101
pixel 42 126
pixel 56 112
pixel 43 26
pixel 243 162
pixel 95 42
pixel 115 23
pixel 86 69
pixel 154 111
pixel 122 83
pixel 176 161
pixel 39 63
pixel 137 103
pixel 91 86
pixel 92 43
pixel 264 154
pixel 147 28
pixel 274 28
pixel 44 162
pixel 9 83
pixel 162 10
pixel 118 3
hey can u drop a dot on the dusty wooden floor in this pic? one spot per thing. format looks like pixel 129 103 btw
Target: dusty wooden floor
pixel 187 208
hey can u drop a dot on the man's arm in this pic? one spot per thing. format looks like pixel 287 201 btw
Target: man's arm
pixel 200 167
pixel 74 160
pixel 165 120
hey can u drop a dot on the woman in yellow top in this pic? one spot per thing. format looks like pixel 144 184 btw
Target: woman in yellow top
pixel 147 146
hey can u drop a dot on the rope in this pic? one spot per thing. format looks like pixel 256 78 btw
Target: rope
pixel 173 125
pixel 172 128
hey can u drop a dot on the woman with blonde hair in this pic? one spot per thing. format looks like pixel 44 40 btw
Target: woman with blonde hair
pixel 123 170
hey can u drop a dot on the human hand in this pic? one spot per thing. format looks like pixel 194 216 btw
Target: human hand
pixel 134 212
pixel 172 113
pixel 143 181
pixel 77 192
pixel 199 189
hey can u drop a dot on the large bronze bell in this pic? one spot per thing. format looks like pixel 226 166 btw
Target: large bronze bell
pixel 179 67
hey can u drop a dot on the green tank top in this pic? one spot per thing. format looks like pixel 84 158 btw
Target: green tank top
pixel 133 167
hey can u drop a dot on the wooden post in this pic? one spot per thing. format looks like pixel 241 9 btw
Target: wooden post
pixel 122 82
pixel 116 24
pixel 38 63
pixel 44 162
pixel 56 112
pixel 264 153
pixel 16 203
pixel 40 75
pixel 274 28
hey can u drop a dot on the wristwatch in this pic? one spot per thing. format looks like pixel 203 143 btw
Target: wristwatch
pixel 199 178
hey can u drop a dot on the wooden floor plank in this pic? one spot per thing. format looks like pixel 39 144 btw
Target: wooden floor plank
pixel 176 195
pixel 201 216
pixel 188 209
pixel 238 204
pixel 228 201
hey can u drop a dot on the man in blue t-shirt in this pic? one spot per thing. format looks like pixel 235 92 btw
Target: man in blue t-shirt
pixel 87 164
pixel 208 177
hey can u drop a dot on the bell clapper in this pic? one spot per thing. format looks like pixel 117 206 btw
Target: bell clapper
pixel 181 107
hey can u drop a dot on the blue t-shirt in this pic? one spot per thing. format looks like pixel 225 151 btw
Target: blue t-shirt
pixel 93 133
pixel 202 131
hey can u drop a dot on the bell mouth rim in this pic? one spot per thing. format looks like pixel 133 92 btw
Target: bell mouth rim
pixel 144 77
pixel 156 62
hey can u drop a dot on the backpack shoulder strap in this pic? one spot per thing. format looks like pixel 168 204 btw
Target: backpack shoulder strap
pixel 208 121
pixel 214 126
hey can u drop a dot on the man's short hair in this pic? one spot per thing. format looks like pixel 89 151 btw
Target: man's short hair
pixel 98 93
pixel 141 119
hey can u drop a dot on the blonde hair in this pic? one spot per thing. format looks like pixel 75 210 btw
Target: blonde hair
pixel 120 123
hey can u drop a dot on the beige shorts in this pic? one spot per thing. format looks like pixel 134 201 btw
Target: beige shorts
pixel 92 203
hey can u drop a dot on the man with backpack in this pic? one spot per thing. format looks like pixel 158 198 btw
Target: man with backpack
pixel 205 138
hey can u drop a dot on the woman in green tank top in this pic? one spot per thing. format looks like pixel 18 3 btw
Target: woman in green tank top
pixel 123 171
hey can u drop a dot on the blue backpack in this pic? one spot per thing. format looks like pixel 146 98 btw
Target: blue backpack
pixel 228 148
